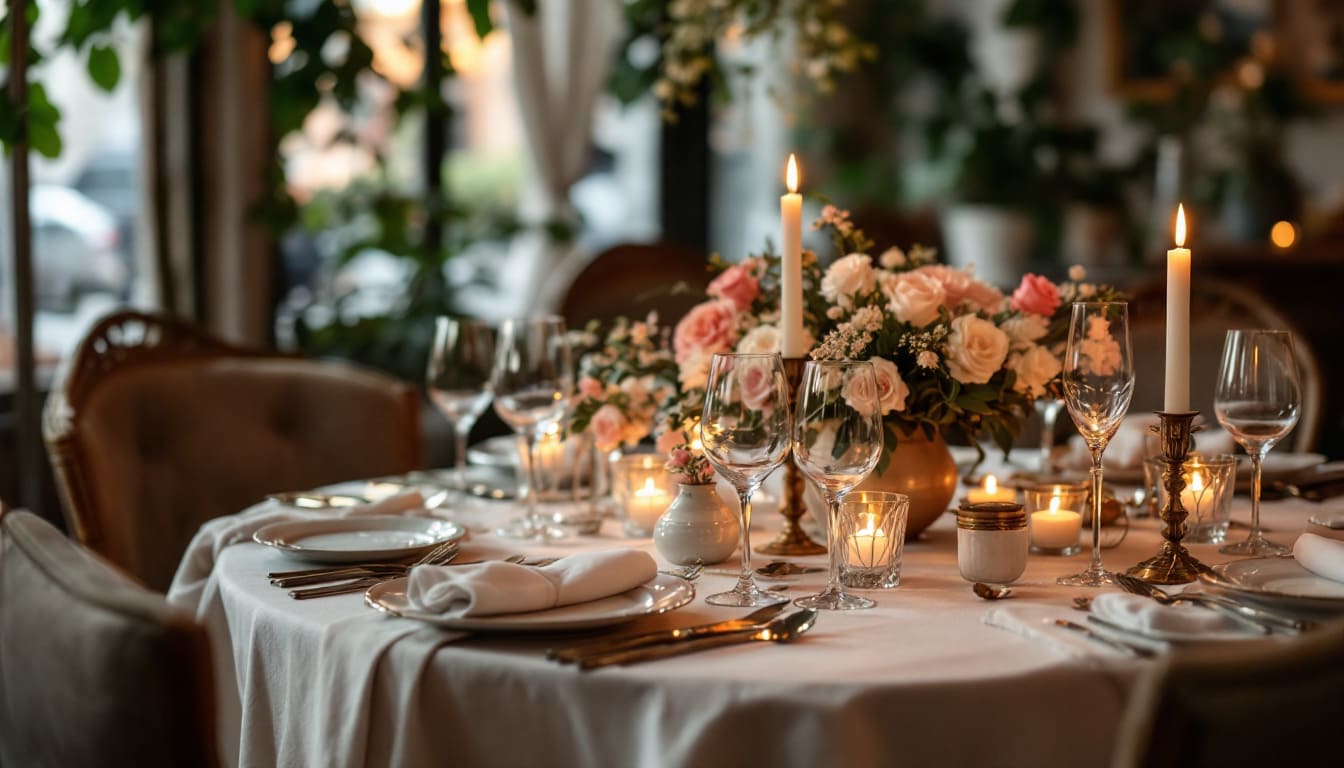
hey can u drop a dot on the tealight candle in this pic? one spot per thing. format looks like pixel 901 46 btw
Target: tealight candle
pixel 645 506
pixel 868 546
pixel 990 491
pixel 1195 491
pixel 1055 529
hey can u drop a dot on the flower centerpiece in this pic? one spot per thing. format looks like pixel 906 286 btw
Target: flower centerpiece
pixel 624 378
pixel 953 355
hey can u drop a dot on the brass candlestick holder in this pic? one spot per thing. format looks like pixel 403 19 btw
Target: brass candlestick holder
pixel 1173 564
pixel 792 540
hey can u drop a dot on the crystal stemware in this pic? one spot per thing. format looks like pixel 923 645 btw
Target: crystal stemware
pixel 1098 383
pixel 837 441
pixel 532 380
pixel 1257 401
pixel 457 378
pixel 744 429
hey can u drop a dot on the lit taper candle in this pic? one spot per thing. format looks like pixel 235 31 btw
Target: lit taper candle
pixel 1177 398
pixel 791 267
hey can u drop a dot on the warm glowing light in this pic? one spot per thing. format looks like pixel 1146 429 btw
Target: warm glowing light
pixel 1180 226
pixel 1283 234
pixel 649 489
pixel 1054 504
pixel 1196 482
pixel 791 174
pixel 991 484
pixel 870 526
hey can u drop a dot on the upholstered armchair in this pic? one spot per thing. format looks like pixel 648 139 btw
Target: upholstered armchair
pixel 155 427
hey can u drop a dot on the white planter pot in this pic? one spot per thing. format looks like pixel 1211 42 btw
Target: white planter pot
pixel 996 242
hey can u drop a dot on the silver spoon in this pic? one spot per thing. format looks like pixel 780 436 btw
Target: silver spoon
pixel 991 592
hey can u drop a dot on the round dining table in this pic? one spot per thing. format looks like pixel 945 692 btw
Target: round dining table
pixel 934 675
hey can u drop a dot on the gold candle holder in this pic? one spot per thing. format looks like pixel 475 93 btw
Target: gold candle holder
pixel 792 540
pixel 1173 564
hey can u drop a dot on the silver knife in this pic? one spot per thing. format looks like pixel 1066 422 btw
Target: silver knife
pixel 753 620
pixel 784 629
pixel 1119 645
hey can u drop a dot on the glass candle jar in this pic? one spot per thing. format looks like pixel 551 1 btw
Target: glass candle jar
pixel 992 541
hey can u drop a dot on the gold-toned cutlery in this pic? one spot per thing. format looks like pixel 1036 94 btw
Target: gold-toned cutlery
pixel 754 620
pixel 440 555
pixel 783 629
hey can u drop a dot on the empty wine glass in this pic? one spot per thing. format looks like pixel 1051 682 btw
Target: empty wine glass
pixel 1257 401
pixel 457 378
pixel 532 380
pixel 744 429
pixel 837 441
pixel 1098 383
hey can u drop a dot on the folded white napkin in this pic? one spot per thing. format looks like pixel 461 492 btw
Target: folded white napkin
pixel 1323 557
pixel 1146 616
pixel 1134 441
pixel 221 532
pixel 1036 622
pixel 487 589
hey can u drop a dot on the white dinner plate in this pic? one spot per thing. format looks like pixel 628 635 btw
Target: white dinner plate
pixel 498 451
pixel 662 594
pixel 358 539
pixel 1279 581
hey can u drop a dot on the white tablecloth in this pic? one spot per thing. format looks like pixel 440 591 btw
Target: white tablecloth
pixel 920 680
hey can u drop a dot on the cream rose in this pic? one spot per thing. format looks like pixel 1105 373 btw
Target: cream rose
pixel 1025 330
pixel 861 393
pixel 847 276
pixel 915 299
pixel 693 372
pixel 756 381
pixel 891 388
pixel 761 340
pixel 1035 368
pixel 608 426
pixel 976 349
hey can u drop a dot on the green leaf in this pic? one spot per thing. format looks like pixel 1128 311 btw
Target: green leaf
pixel 480 15
pixel 104 67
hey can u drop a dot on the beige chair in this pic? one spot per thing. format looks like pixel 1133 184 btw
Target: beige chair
pixel 157 427
pixel 1215 308
pixel 1258 703
pixel 94 669
pixel 632 279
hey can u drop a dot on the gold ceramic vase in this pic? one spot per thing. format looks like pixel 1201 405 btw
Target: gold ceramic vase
pixel 922 469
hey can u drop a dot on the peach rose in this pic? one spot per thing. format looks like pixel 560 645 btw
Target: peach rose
pixel 735 284
pixel 590 387
pixel 960 286
pixel 708 328
pixel 916 298
pixel 756 381
pixel 1036 295
pixel 1025 330
pixel 861 393
pixel 891 388
pixel 608 425
pixel 847 276
pixel 976 349
pixel 669 440
pixel 1035 368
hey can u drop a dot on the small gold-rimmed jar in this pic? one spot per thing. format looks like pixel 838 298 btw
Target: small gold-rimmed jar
pixel 992 541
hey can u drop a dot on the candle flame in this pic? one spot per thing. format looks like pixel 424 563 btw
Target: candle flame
pixel 649 488
pixel 1196 482
pixel 1054 505
pixel 1180 225
pixel 870 526
pixel 791 174
pixel 991 484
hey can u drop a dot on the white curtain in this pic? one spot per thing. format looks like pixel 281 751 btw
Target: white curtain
pixel 561 56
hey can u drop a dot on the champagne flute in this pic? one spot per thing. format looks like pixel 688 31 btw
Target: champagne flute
pixel 1098 383
pixel 1257 400
pixel 837 440
pixel 744 429
pixel 457 378
pixel 532 380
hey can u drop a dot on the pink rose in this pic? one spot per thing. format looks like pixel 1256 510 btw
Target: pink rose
pixel 608 426
pixel 590 387
pixel 959 286
pixel 1036 295
pixel 891 388
pixel 861 393
pixel 708 328
pixel 679 458
pixel 757 383
pixel 735 284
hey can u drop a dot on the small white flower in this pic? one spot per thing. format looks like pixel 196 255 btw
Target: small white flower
pixel 834 313
pixel 927 359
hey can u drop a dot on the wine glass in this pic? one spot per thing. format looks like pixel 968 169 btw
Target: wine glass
pixel 1257 401
pixel 1098 383
pixel 744 429
pixel 837 440
pixel 532 380
pixel 457 378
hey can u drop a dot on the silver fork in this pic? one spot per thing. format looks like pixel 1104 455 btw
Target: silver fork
pixel 444 557
pixel 1259 620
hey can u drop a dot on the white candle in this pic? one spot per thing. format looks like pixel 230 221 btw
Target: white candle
pixel 646 505
pixel 1055 528
pixel 1195 492
pixel 791 267
pixel 1177 398
pixel 990 491
pixel 868 546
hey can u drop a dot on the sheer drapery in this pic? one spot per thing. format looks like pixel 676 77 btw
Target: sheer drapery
pixel 561 55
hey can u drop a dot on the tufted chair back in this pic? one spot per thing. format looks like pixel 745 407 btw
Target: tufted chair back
pixel 94 669
pixel 157 427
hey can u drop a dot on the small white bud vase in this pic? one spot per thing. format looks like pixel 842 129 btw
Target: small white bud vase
pixel 697 525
